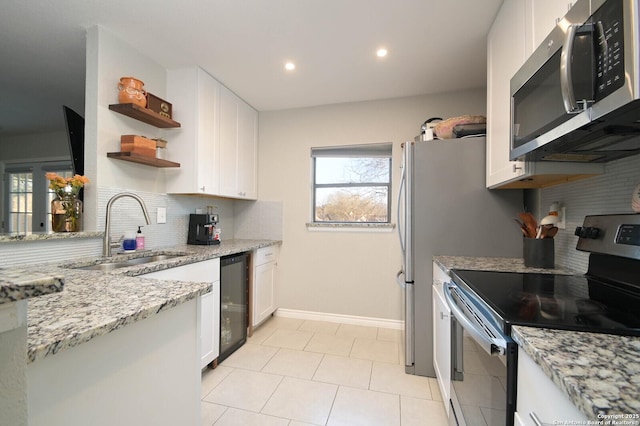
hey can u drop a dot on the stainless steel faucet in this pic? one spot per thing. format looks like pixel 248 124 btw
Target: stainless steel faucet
pixel 106 241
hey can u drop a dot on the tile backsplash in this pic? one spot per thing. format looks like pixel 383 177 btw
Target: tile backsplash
pixel 238 218
pixel 127 215
pixel 605 194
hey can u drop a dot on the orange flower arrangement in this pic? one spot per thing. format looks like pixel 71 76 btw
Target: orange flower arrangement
pixel 63 186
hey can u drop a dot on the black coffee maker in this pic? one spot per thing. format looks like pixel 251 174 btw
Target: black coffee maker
pixel 202 229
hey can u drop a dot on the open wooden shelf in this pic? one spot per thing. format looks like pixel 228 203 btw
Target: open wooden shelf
pixel 145 115
pixel 142 159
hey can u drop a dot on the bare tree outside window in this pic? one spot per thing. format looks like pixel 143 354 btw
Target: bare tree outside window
pixel 352 188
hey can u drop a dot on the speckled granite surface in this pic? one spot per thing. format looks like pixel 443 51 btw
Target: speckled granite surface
pixel 94 303
pixel 41 236
pixel 501 264
pixel 599 372
pixel 20 283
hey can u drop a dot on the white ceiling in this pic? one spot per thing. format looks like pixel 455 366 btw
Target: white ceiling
pixel 434 46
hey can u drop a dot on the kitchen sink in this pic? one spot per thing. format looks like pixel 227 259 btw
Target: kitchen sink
pixel 109 266
pixel 154 258
pixel 104 266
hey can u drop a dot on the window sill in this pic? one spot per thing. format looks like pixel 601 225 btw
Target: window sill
pixel 350 227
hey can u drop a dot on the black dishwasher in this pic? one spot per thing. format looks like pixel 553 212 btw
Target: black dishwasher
pixel 234 291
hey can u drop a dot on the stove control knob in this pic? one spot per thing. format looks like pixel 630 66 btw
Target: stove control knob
pixel 587 232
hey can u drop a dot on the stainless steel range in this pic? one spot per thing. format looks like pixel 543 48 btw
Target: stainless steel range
pixel 485 305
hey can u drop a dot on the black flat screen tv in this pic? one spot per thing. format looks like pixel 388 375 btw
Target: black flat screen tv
pixel 75 136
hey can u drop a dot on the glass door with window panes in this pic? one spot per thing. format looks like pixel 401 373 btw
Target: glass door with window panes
pixel 27 197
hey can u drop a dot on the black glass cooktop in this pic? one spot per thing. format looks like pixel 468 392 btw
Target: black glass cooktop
pixel 570 302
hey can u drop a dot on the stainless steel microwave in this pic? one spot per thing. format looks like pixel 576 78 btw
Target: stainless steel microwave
pixel 577 98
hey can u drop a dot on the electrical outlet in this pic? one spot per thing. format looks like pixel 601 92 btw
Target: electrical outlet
pixel 562 216
pixel 161 215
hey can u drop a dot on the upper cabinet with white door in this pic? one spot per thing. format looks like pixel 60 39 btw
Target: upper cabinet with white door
pixel 505 55
pixel 519 28
pixel 542 16
pixel 218 142
pixel 238 147
pixel 196 99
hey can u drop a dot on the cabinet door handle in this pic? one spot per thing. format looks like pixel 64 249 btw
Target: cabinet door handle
pixel 202 188
pixel 443 316
pixel 516 168
pixel 535 419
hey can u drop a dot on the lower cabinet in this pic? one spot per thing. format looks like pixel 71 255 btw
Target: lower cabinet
pixel 208 304
pixel 441 336
pixel 264 284
pixel 535 391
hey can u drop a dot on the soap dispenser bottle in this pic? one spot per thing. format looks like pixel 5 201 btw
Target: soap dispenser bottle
pixel 139 239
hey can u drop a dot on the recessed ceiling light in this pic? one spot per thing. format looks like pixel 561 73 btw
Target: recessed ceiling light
pixel 289 66
pixel 382 52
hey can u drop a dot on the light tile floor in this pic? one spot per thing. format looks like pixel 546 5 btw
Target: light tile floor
pixel 293 372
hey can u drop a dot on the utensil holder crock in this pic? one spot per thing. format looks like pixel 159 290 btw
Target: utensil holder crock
pixel 539 252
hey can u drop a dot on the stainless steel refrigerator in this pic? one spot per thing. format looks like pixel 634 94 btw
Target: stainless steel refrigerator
pixel 444 208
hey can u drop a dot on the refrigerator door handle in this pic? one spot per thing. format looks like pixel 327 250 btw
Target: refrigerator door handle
pixel 399 212
pixel 408 211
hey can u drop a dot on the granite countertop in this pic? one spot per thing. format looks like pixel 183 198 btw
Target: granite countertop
pixel 599 372
pixel 20 284
pixel 46 236
pixel 500 264
pixel 95 303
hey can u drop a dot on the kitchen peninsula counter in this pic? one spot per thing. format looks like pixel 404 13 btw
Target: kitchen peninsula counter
pixel 23 283
pixel 95 303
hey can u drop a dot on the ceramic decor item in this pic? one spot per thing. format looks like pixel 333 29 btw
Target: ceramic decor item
pixel 132 92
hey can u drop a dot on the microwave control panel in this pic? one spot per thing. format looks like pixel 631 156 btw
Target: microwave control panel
pixel 607 27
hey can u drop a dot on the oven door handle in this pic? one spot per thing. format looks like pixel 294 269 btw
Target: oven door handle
pixel 490 339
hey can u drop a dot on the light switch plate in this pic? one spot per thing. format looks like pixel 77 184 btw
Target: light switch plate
pixel 161 215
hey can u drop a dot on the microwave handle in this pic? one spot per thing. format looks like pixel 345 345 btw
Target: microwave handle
pixel 566 81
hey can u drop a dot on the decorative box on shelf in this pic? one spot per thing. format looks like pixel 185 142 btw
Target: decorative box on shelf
pixel 159 105
pixel 138 149
pixel 138 144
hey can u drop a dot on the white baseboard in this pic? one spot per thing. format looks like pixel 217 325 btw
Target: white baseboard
pixel 339 318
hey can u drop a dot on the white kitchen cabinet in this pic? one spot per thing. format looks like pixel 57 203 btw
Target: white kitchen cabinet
pixel 195 97
pixel 238 147
pixel 441 336
pixel 542 17
pixel 208 304
pixel 505 55
pixel 535 391
pixel 510 41
pixel 264 284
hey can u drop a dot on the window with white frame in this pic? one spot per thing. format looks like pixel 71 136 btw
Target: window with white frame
pixel 352 184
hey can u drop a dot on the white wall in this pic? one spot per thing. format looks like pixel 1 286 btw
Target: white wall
pixel 350 273
pixel 109 59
